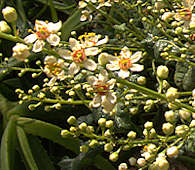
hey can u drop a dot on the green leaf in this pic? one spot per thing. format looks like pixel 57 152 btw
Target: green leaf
pixel 40 155
pixel 48 131
pixel 70 24
pixel 26 148
pixel 8 145
pixel 102 163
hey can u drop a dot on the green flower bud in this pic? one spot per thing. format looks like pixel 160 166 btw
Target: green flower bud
pixel 83 126
pixel 72 120
pixel 123 166
pixel 162 72
pixel 4 27
pixel 141 80
pixel 114 157
pixel 9 14
pixel 192 123
pixel 131 135
pixel 172 152
pixel 93 143
pixel 109 123
pixel 148 125
pixel 108 147
pixel 168 128
pixel 35 87
pixel 102 122
pixel 184 114
pixel 65 133
pixel 132 161
pixel 181 130
pixel 172 94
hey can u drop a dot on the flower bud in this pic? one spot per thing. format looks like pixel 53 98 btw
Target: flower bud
pixel 184 114
pixel 170 116
pixel 102 122
pixel 148 125
pixel 131 135
pixel 171 94
pixel 147 156
pixel 172 152
pixel 107 133
pixel 93 143
pixel 167 15
pixel 168 128
pixel 72 120
pixel 141 162
pixel 108 147
pixel 20 51
pixel 83 126
pixel 4 27
pixel 162 72
pixel 113 157
pixel 109 123
pixel 162 163
pixel 123 166
pixel 151 148
pixel 9 14
pixel 65 133
pixel 181 130
pixel 132 161
pixel 192 123
pixel 141 80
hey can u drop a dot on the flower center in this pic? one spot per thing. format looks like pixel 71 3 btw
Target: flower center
pixel 125 63
pixel 54 68
pixel 101 88
pixel 79 56
pixel 42 33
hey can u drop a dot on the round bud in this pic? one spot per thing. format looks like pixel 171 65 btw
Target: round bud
pixel 109 123
pixel 162 72
pixel 170 116
pixel 172 152
pixel 107 133
pixel 192 123
pixel 181 130
pixel 141 80
pixel 108 147
pixel 93 143
pixel 35 87
pixel 132 161
pixel 151 148
pixel 167 15
pixel 148 125
pixel 72 120
pixel 83 126
pixel 131 135
pixel 168 128
pixel 141 162
pixel 102 122
pixel 171 94
pixel 184 114
pixel 114 157
pixel 9 14
pixel 65 133
pixel 123 166
pixel 4 27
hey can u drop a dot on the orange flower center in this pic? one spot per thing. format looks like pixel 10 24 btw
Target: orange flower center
pixel 54 68
pixel 101 88
pixel 125 63
pixel 42 33
pixel 79 56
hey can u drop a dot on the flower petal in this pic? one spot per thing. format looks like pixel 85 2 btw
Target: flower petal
pixel 136 57
pixel 30 38
pixel 123 74
pixel 113 66
pixel 66 54
pixel 90 64
pixel 96 101
pixel 74 68
pixel 92 80
pixel 50 60
pixel 73 42
pixel 54 27
pixel 92 51
pixel 52 81
pixel 108 103
pixel 104 58
pixel 38 46
pixel 136 67
pixel 111 83
pixel 125 52
pixel 102 41
pixel 103 76
pixel 53 39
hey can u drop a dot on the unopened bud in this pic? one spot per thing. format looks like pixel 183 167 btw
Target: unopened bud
pixel 113 157
pixel 9 14
pixel 4 27
pixel 162 72
pixel 168 128
pixel 108 147
pixel 172 152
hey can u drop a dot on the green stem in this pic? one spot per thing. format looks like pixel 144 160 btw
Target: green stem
pixel 11 37
pixel 53 11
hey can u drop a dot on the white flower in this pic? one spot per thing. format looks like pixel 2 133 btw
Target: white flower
pixel 44 31
pixel 85 15
pixel 20 51
pixel 54 68
pixel 102 86
pixel 125 62
pixel 80 50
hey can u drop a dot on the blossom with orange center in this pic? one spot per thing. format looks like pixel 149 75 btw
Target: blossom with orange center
pixel 125 62
pixel 102 89
pixel 44 31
